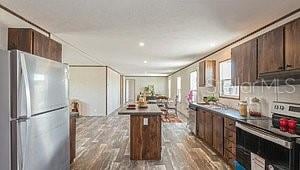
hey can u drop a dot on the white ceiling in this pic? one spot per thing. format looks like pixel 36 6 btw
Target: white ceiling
pixel 175 32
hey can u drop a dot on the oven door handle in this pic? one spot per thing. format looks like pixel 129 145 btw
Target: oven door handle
pixel 265 135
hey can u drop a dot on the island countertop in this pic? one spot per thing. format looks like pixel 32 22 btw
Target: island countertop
pixel 152 109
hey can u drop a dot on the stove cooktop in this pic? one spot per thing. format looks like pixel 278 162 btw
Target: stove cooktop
pixel 266 124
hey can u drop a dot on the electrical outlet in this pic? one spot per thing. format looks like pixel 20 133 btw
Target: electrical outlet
pixel 146 121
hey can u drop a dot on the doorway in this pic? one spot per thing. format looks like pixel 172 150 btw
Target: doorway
pixel 129 90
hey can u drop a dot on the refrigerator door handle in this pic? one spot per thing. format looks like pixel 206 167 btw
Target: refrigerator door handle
pixel 23 128
pixel 24 73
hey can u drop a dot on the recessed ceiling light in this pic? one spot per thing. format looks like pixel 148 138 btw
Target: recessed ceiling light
pixel 141 44
pixel 212 44
pixel 145 62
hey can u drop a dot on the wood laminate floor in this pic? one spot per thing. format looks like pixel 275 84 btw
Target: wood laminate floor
pixel 103 143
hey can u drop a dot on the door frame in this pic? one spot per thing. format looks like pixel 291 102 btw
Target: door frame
pixel 126 89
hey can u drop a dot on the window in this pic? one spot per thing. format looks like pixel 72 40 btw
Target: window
pixel 179 88
pixel 193 85
pixel 169 88
pixel 226 89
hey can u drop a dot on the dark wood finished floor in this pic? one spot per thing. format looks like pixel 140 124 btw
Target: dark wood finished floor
pixel 103 143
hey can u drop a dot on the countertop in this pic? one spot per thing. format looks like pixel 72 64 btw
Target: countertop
pixel 229 112
pixel 152 109
pixel 263 122
pixel 75 114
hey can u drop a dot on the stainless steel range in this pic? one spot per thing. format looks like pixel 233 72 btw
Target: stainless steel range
pixel 270 143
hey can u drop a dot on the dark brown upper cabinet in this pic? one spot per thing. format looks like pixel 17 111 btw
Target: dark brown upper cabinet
pixel 244 63
pixel 55 51
pixel 270 51
pixel 292 45
pixel 31 41
pixel 40 44
pixel 207 73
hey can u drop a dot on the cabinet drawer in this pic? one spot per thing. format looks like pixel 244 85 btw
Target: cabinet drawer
pixel 229 124
pixel 229 157
pixel 230 146
pixel 230 135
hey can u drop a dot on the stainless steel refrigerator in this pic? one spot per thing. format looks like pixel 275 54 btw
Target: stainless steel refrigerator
pixel 34 114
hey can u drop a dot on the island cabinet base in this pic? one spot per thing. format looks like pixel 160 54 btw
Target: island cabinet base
pixel 145 137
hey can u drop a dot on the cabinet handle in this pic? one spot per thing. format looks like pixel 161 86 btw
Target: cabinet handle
pixel 289 65
pixel 280 68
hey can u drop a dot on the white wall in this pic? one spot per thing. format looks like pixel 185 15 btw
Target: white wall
pixel 160 84
pixel 185 85
pixel 113 90
pixel 267 94
pixel 3 36
pixel 88 85
pixel 84 81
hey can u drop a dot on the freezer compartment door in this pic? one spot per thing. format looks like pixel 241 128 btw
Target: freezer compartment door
pixel 41 142
pixel 42 84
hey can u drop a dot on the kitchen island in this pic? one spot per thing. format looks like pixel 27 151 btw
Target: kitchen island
pixel 145 132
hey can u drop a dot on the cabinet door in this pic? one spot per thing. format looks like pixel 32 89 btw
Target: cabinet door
pixel 72 138
pixel 20 39
pixel 202 74
pixel 208 127
pixel 249 62
pixel 218 134
pixel 210 73
pixel 236 62
pixel 200 124
pixel 55 51
pixel 292 45
pixel 40 45
pixel 207 73
pixel 270 51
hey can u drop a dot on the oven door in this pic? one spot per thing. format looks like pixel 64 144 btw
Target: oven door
pixel 298 151
pixel 278 153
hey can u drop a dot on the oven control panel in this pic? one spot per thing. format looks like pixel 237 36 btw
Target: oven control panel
pixel 288 109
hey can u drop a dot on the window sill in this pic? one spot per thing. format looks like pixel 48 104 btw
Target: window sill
pixel 230 97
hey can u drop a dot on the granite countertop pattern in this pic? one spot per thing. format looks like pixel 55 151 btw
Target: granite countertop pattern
pixel 230 113
pixel 75 114
pixel 152 109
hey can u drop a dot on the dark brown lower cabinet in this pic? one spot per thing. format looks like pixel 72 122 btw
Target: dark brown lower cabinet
pixel 200 124
pixel 145 140
pixel 229 157
pixel 208 127
pixel 229 140
pixel 72 138
pixel 218 134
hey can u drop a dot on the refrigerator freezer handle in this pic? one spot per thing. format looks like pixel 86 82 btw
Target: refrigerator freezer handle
pixel 26 83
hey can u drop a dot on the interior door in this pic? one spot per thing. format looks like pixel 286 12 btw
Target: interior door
pixel 41 142
pixel 42 84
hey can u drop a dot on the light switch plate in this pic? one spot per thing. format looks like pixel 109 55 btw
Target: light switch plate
pixel 146 121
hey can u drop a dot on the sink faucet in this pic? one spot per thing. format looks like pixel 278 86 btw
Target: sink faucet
pixel 223 106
